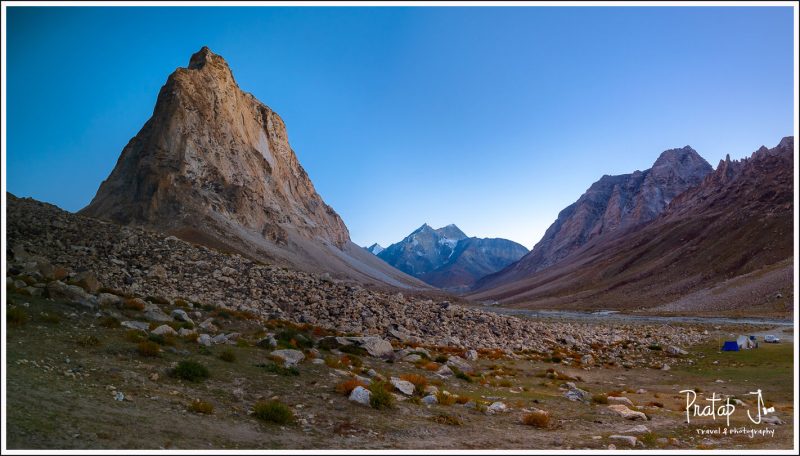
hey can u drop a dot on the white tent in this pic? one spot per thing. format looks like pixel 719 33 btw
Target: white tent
pixel 745 343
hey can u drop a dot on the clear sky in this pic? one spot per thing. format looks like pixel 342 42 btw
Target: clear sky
pixel 490 118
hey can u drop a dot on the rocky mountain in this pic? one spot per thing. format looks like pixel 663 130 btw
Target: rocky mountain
pixel 611 204
pixel 213 165
pixel 374 249
pixel 724 245
pixel 447 258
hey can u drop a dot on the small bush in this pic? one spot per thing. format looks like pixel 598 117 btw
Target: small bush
pixel 445 399
pixel 462 399
pixel 88 341
pixel 431 366
pixel 181 303
pixel 134 335
pixel 539 419
pixel 347 386
pixel 422 355
pixel 290 337
pixel 449 420
pixel 228 356
pixel 351 360
pixel 162 339
pixel 654 347
pixel 506 383
pixel 203 407
pixel 332 362
pixel 148 348
pixel 649 439
pixel 133 304
pixel 380 398
pixel 273 412
pixel 16 317
pixel 276 368
pixel 191 371
pixel 600 399
pixel 109 322
pixel 458 373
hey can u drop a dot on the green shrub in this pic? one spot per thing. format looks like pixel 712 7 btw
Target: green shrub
pixel 441 359
pixel 380 398
pixel 16 317
pixel 600 398
pixel 276 368
pixel 458 373
pixel 293 338
pixel 228 356
pixel 191 371
pixel 655 347
pixel 273 412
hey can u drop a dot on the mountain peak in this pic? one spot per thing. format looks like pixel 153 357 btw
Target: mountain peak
pixel 451 231
pixel 204 56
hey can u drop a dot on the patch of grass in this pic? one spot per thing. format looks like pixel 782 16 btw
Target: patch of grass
pixel 181 302
pixel 228 355
pixel 441 359
pixel 445 399
pixel 458 373
pixel 462 399
pixel 506 383
pixel 133 304
pixel 600 398
pixel 109 322
pixel 50 318
pixel 422 355
pixel 380 398
pixel 191 371
pixel 332 362
pixel 273 412
pixel 292 338
pixel 276 368
pixel 134 335
pixel 448 420
pixel 351 360
pixel 431 366
pixel 539 419
pixel 157 300
pixel 649 439
pixel 87 340
pixel 654 347
pixel 203 407
pixel 347 386
pixel 16 317
pixel 419 382
pixel 162 339
pixel 148 348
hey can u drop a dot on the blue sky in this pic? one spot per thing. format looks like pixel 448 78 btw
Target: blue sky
pixel 494 119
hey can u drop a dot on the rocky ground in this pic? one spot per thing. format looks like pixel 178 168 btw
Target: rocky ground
pixel 112 328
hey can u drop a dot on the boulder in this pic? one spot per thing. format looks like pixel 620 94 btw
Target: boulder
pixel 137 325
pixel 267 342
pixel 638 429
pixel 620 400
pixel 626 439
pixel 403 386
pixel 154 313
pixel 627 413
pixel 375 346
pixel 430 400
pixel 444 371
pixel 181 315
pixel 219 339
pixel 183 332
pixel 108 299
pixel 471 355
pixel 459 363
pixel 673 350
pixel 164 330
pixel 412 358
pixel 587 360
pixel 72 294
pixel 496 407
pixel 360 395
pixel 289 357
pixel 88 281
pixel 576 394
pixel 204 339
pixel 157 272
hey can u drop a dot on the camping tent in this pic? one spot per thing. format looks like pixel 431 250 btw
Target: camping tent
pixel 730 346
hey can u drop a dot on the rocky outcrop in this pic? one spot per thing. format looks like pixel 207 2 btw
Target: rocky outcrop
pixel 213 165
pixel 612 204
pixel 446 258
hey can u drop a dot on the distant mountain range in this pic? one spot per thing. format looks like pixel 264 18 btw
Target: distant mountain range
pixel 447 258
pixel 678 237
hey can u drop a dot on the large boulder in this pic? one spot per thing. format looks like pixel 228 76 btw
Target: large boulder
pixel 374 345
pixel 164 330
pixel 459 363
pixel 88 281
pixel 154 313
pixel 403 386
pixel 108 300
pixel 360 395
pixel 289 357
pixel 137 325
pixel 576 394
pixel 181 315
pixel 496 407
pixel 72 294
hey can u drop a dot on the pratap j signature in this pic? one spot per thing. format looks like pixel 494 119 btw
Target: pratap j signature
pixel 724 409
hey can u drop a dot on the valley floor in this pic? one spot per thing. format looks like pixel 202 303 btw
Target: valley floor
pixel 66 366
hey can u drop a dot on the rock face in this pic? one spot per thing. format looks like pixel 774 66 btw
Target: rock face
pixel 448 259
pixel 613 203
pixel 213 165
pixel 725 244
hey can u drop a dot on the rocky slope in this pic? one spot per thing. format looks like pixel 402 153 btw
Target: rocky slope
pixel 213 165
pixel 724 245
pixel 611 204
pixel 446 258
pixel 42 240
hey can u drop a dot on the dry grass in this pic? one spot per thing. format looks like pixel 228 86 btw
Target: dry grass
pixel 148 348
pixel 431 366
pixel 133 304
pixel 600 399
pixel 87 340
pixel 347 386
pixel 16 317
pixel 462 399
pixel 445 399
pixel 419 381
pixel 449 420
pixel 203 407
pixel 539 419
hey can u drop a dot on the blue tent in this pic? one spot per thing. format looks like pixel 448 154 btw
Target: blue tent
pixel 730 346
